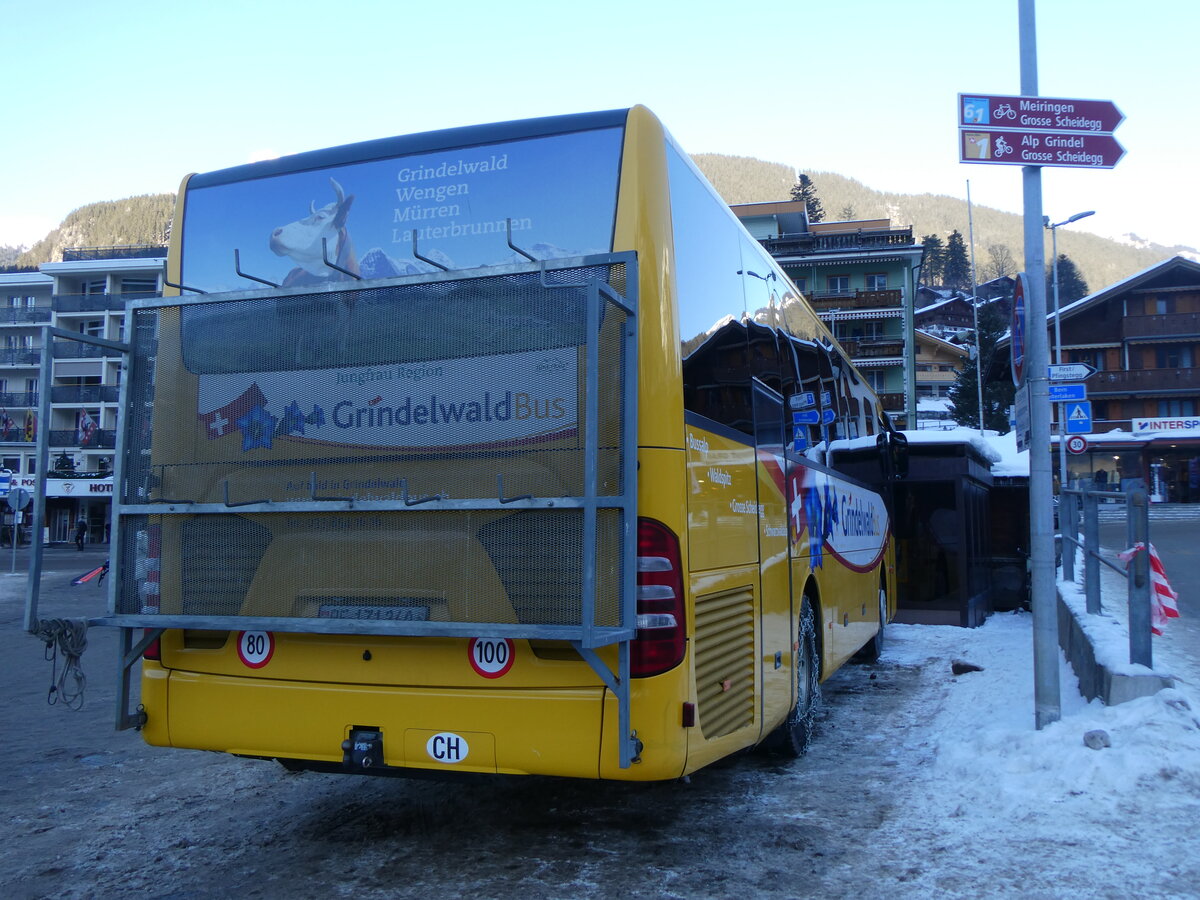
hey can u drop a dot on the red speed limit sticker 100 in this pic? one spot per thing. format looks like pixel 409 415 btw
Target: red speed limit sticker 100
pixel 491 657
pixel 255 648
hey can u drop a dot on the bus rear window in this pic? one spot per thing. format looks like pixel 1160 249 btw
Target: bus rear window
pixel 559 192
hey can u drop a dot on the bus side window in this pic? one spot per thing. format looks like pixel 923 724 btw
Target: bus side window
pixel 806 397
pixel 768 418
pixel 716 379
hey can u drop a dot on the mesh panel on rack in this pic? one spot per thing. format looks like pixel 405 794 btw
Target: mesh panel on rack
pixel 445 385
pixel 471 390
pixel 437 565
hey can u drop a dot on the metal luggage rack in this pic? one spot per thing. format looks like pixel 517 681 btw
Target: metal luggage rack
pixel 133 501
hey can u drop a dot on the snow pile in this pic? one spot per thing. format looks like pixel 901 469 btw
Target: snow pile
pixel 987 745
pixel 998 449
pixel 991 779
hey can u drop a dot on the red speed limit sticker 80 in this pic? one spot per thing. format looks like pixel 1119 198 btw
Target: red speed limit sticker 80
pixel 491 657
pixel 255 648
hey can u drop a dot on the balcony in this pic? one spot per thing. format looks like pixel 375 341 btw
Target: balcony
pixel 19 400
pixel 1166 326
pixel 824 301
pixel 892 402
pixel 86 393
pixel 80 350
pixel 1152 381
pixel 100 440
pixel 124 251
pixel 863 239
pixel 27 315
pixel 875 348
pixel 77 303
pixel 21 356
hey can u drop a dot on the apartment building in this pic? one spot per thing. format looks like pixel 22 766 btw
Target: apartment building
pixel 1143 337
pixel 85 293
pixel 861 277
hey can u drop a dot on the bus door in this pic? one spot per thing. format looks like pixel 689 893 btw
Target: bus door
pixel 775 637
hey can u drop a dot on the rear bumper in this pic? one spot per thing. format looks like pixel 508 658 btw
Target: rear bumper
pixel 545 732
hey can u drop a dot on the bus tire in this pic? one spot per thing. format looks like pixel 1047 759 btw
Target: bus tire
pixel 874 649
pixel 792 738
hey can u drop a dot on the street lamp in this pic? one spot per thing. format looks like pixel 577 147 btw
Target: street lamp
pixel 1062 425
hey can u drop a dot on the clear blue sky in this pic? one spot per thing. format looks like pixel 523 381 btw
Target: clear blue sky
pixel 106 100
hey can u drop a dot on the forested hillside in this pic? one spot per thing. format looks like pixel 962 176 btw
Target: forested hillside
pixel 134 220
pixel 1101 261
pixel 739 179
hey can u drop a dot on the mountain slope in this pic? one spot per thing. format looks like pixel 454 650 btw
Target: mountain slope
pixel 1102 261
pixel 134 220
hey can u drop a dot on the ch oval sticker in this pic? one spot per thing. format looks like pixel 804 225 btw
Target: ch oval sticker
pixel 491 657
pixel 447 747
pixel 255 648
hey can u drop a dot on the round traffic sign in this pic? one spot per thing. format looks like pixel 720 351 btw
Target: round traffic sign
pixel 1076 444
pixel 18 498
pixel 255 648
pixel 491 657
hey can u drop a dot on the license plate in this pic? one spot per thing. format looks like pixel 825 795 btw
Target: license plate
pixel 377 613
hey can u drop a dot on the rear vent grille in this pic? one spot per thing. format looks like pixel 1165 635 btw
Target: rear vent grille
pixel 725 661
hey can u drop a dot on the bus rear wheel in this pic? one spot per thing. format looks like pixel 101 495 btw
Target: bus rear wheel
pixel 874 648
pixel 794 735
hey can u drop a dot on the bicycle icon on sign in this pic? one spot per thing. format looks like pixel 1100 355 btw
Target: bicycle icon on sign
pixel 1003 147
pixel 1005 111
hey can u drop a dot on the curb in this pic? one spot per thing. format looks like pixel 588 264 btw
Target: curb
pixel 1095 678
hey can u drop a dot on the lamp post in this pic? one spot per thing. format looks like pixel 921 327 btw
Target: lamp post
pixel 1062 425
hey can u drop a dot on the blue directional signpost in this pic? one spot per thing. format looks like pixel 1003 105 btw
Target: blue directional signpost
pixel 1060 393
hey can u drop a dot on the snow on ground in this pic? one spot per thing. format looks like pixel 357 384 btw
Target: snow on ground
pixel 1117 821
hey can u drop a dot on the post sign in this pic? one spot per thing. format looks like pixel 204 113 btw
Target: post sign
pixel 1060 393
pixel 1071 372
pixel 1038 131
pixel 1038 113
pixel 1078 417
pixel 1035 148
pixel 1017 331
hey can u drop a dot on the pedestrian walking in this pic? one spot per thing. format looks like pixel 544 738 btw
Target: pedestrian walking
pixel 81 529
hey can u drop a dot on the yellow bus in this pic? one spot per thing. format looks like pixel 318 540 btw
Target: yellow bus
pixel 501 449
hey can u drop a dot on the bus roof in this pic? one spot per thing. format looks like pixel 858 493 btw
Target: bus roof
pixel 404 145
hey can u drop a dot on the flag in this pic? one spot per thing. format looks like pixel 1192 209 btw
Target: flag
pixel 30 426
pixel 7 425
pixel 221 422
pixel 100 570
pixel 86 428
pixel 1163 597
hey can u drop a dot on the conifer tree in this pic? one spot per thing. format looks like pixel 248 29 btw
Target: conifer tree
pixel 997 385
pixel 805 190
pixel 934 264
pixel 957 274
pixel 1071 284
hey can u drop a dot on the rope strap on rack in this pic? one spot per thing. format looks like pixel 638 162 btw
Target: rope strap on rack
pixel 69 637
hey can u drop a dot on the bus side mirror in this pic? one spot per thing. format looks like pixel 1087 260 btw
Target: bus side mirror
pixel 893 454
pixel 899 455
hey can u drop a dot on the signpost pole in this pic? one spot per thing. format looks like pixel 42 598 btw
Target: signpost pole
pixel 1047 703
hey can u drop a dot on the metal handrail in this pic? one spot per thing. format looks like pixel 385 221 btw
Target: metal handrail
pixel 1136 574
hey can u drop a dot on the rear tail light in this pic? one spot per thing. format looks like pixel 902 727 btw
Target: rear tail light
pixel 148 572
pixel 661 632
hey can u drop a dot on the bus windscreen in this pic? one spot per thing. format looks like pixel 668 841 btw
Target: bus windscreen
pixel 457 202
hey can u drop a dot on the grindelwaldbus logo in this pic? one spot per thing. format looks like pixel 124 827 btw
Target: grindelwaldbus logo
pixel 847 522
pixel 496 400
